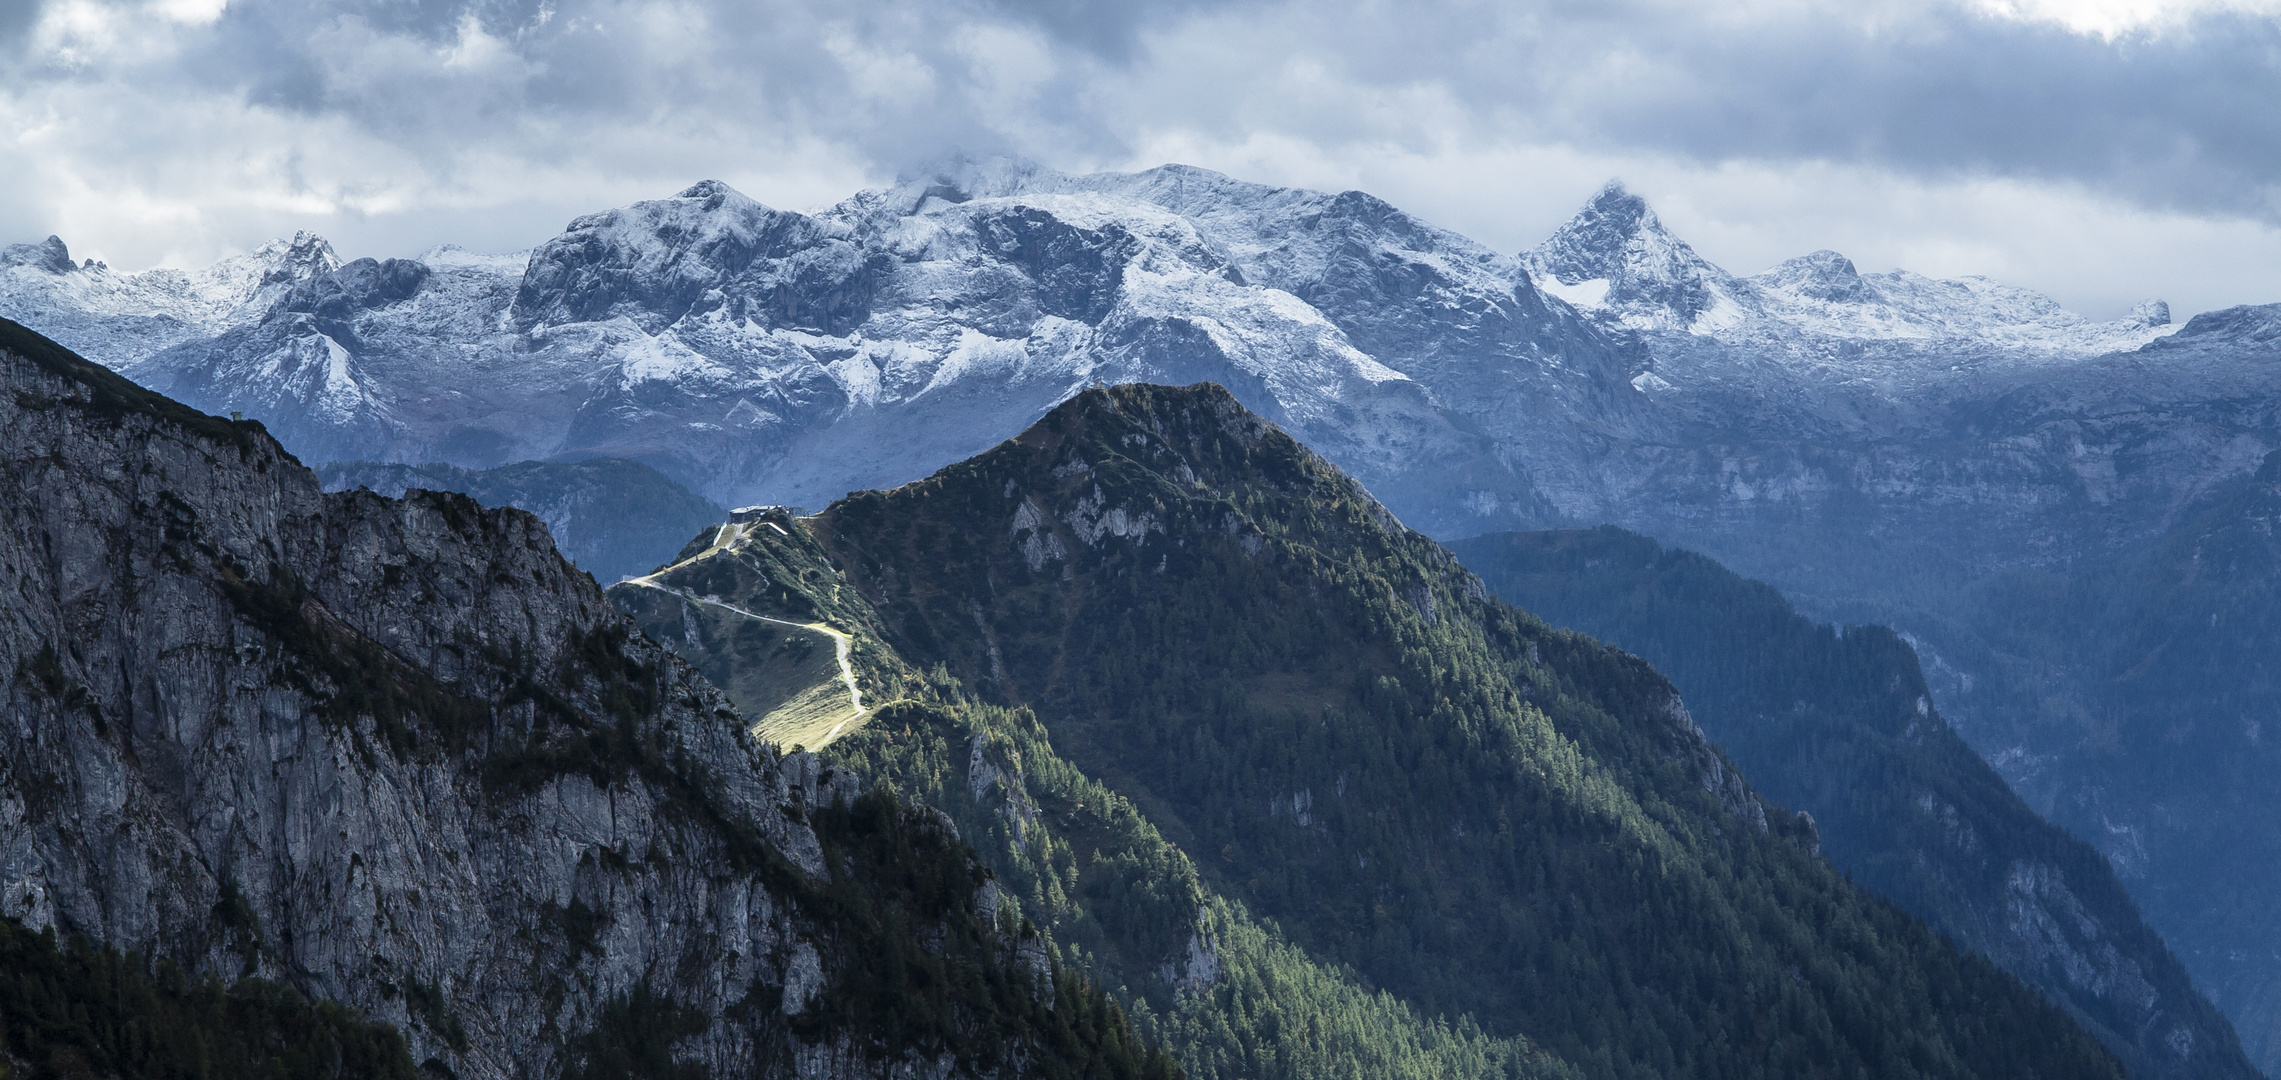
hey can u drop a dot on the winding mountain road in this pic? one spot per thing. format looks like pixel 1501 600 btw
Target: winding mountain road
pixel 842 643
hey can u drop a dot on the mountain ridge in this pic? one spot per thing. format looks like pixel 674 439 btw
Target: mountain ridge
pixel 1236 640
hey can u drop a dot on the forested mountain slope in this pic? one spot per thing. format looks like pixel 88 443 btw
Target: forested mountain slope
pixel 1839 722
pixel 70 1008
pixel 400 755
pixel 1332 725
pixel 755 606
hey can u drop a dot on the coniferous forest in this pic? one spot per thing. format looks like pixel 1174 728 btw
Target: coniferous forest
pixel 1297 711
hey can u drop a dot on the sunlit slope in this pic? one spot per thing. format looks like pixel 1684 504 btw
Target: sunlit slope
pixel 786 666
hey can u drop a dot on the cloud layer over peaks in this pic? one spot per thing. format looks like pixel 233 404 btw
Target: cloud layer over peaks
pixel 176 130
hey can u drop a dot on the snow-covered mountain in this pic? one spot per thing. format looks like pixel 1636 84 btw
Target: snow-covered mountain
pixel 125 318
pixel 1877 445
pixel 1611 373
pixel 1617 262
pixel 763 355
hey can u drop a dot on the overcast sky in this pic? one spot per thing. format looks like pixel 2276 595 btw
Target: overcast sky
pixel 2100 150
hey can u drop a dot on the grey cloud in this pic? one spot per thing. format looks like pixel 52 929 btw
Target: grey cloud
pixel 1107 28
pixel 16 17
pixel 579 66
pixel 603 93
pixel 2186 118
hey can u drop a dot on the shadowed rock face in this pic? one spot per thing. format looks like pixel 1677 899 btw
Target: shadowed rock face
pixel 401 754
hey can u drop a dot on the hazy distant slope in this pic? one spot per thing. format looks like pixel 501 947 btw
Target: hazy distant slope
pixel 614 518
pixel 1840 724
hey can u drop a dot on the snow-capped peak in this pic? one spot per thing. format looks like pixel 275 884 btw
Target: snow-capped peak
pixel 290 262
pixel 650 261
pixel 1616 259
pixel 49 255
pixel 1618 263
pixel 123 318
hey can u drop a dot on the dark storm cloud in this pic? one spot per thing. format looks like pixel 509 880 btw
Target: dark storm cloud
pixel 1107 28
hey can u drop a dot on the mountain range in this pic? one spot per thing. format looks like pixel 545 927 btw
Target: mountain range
pixel 1881 447
pixel 414 783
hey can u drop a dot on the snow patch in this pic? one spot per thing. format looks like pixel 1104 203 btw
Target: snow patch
pixel 1585 295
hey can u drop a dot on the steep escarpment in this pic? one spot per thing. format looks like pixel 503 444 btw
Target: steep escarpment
pixel 399 754
pixel 1157 601
pixel 2128 700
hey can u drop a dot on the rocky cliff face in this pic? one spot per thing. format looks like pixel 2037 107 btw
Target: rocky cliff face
pixel 401 754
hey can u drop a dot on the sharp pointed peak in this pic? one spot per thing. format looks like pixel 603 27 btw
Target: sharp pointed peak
pixel 50 255
pixel 1614 191
pixel 1616 199
pixel 1614 217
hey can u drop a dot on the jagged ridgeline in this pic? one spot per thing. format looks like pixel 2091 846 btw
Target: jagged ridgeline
pixel 1286 775
pixel 1839 722
pixel 334 784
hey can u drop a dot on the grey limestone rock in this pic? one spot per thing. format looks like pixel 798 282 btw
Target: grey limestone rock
pixel 396 752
